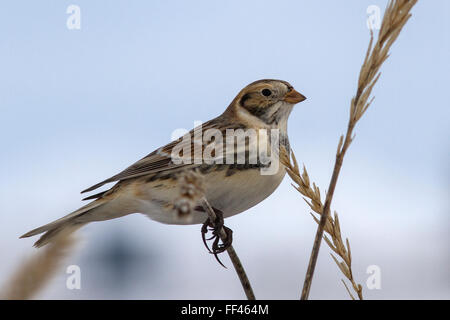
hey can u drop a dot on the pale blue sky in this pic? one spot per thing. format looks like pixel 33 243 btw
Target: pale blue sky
pixel 78 106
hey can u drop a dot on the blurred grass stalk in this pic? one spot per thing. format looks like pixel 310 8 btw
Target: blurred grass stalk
pixel 34 273
pixel 395 17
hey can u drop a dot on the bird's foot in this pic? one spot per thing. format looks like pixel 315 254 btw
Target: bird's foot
pixel 219 245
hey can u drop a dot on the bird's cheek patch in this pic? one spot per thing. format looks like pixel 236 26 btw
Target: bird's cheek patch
pixel 244 99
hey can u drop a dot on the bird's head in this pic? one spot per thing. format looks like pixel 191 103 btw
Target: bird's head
pixel 268 100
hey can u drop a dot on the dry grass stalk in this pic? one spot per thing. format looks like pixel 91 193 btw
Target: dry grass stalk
pixel 191 188
pixel 312 197
pixel 232 254
pixel 32 276
pixel 395 17
pixel 191 193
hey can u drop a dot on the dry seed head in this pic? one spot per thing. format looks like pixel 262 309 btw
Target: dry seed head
pixel 191 190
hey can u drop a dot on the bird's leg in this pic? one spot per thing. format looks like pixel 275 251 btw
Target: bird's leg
pixel 216 228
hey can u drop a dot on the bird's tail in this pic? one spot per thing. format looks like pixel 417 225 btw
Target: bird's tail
pixel 66 224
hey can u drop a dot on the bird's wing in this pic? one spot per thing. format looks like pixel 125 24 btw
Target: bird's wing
pixel 161 159
pixel 156 161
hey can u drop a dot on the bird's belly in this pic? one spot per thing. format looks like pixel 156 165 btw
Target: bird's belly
pixel 240 191
pixel 231 194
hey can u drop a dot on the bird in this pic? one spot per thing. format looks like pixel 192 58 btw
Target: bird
pixel 150 186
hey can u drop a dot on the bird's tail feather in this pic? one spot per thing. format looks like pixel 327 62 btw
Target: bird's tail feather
pixel 57 232
pixel 62 226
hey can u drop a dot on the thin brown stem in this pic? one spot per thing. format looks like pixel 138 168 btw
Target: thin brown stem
pixel 232 254
pixel 324 216
pixel 311 194
pixel 395 17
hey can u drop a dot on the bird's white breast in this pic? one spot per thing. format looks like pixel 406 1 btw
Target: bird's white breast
pixel 242 190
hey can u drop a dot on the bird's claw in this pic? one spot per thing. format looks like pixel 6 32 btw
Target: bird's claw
pixel 216 228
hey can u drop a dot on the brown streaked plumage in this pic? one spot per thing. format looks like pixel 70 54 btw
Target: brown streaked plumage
pixel 149 186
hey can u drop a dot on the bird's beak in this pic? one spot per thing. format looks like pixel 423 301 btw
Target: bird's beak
pixel 294 97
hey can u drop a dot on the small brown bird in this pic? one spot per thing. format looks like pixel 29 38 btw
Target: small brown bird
pixel 150 186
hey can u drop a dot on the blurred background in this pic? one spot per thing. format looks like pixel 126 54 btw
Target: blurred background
pixel 79 105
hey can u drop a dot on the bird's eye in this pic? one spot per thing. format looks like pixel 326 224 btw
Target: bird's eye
pixel 266 92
